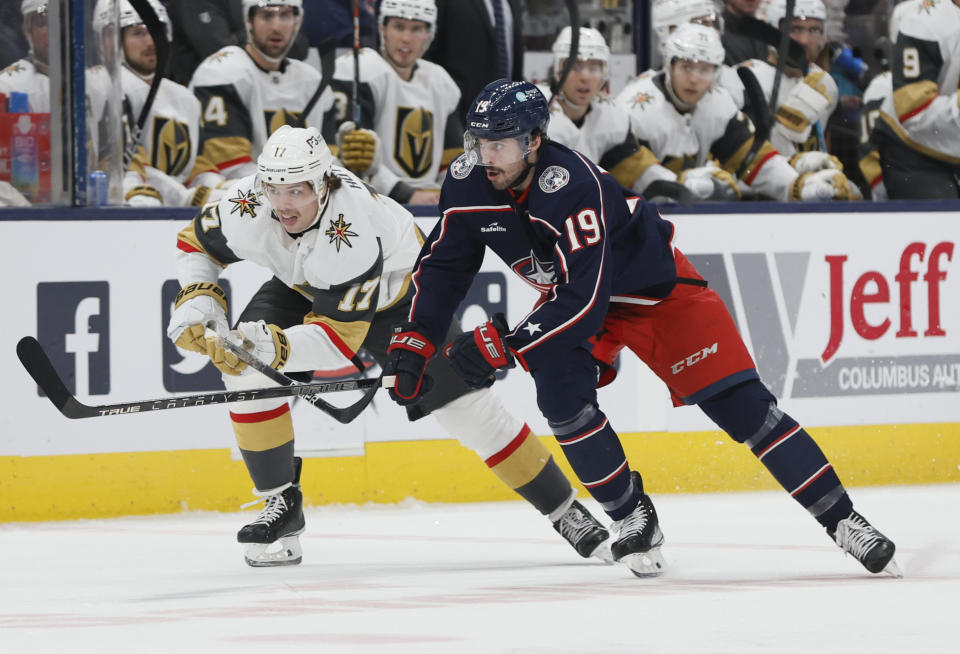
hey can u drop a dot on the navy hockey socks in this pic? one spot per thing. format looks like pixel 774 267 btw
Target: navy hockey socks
pixel 593 449
pixel 797 462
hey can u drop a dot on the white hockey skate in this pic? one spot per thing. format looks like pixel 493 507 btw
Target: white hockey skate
pixel 639 538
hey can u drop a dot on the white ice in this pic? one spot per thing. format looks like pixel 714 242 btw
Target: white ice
pixel 748 572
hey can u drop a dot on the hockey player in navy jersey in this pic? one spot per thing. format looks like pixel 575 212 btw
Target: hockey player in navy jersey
pixel 610 278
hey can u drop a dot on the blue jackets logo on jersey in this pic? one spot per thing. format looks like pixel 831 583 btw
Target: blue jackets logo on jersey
pixel 554 178
pixel 461 166
pixel 73 326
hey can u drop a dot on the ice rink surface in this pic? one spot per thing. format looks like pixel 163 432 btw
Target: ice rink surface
pixel 748 572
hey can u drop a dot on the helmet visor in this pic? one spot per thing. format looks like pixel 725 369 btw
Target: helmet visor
pixel 286 197
pixel 495 153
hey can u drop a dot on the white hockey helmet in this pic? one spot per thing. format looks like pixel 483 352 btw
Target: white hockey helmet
pixel 250 5
pixel 777 10
pixel 422 10
pixel 106 10
pixel 294 154
pixel 28 7
pixel 592 46
pixel 694 42
pixel 671 13
pixel 253 4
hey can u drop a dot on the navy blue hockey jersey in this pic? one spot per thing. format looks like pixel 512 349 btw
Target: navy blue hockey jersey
pixel 575 235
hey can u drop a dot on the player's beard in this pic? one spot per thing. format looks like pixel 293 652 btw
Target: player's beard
pixel 270 49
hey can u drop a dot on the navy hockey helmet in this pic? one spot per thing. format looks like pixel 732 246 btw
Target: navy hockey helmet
pixel 506 109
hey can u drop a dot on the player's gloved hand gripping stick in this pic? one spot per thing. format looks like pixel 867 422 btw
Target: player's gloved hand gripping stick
pixel 409 351
pixel 476 356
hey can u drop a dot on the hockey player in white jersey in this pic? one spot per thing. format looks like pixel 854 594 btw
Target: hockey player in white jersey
pixel 247 92
pixel 695 128
pixel 167 148
pixel 918 134
pixel 409 129
pixel 877 92
pixel 805 99
pixel 341 256
pixel 584 118
pixel 30 75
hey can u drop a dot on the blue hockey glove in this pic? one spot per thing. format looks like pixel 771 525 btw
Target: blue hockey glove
pixel 477 355
pixel 409 351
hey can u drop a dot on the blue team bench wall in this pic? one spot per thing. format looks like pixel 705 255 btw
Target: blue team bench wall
pixel 426 211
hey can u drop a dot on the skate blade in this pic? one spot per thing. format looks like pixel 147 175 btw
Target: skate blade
pixel 285 551
pixel 893 569
pixel 645 564
pixel 602 552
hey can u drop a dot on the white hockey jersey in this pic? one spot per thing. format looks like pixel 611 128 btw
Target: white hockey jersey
pixel 357 259
pixel 22 76
pixel 171 130
pixel 715 129
pixel 804 105
pixel 606 137
pixel 924 109
pixel 242 104
pixel 416 120
pixel 876 93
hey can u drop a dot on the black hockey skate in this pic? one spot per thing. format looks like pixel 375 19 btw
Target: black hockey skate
pixel 857 537
pixel 590 538
pixel 639 537
pixel 273 538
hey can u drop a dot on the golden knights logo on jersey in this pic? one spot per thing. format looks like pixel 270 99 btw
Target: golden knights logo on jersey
pixel 277 118
pixel 413 141
pixel 245 203
pixel 171 145
pixel 339 232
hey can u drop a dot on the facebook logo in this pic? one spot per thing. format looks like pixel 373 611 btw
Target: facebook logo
pixel 73 326
pixel 182 370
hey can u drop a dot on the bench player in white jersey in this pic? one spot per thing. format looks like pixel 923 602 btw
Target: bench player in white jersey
pixel 878 90
pixel 409 129
pixel 342 257
pixel 168 146
pixel 31 76
pixel 918 133
pixel 247 92
pixel 694 126
pixel 584 118
pixel 805 99
pixel 668 14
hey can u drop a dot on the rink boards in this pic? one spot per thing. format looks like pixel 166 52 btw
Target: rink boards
pixel 853 320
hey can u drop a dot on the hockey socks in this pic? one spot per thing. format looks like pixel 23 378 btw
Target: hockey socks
pixel 594 452
pixel 800 466
pixel 528 468
pixel 265 439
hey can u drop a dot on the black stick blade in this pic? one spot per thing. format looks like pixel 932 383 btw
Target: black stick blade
pixel 35 360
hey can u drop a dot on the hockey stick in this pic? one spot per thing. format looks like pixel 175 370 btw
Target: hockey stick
pixel 558 82
pixel 327 50
pixel 162 46
pixel 340 414
pixel 355 91
pixel 36 362
pixel 787 24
